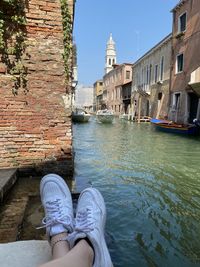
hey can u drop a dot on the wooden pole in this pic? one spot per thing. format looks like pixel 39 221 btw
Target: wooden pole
pixel 131 117
pixel 139 109
pixel 129 110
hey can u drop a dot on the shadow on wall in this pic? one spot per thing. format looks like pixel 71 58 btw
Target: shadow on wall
pixel 62 167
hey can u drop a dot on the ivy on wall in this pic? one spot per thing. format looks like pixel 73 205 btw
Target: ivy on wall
pixel 12 41
pixel 67 29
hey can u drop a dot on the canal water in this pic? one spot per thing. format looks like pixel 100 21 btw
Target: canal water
pixel 151 185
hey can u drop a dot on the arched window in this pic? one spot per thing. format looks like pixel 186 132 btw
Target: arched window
pixel 110 61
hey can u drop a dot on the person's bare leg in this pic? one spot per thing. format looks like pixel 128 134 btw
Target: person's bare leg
pixel 82 255
pixel 59 248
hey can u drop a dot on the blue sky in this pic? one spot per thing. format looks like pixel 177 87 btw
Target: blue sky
pixel 136 27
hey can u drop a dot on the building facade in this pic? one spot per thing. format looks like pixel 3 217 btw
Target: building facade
pixel 185 73
pixel 35 104
pixel 126 97
pixel 150 81
pixel 98 95
pixel 113 82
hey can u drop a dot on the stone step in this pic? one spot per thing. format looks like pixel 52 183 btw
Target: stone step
pixel 24 253
pixel 7 179
pixel 11 219
pixel 22 212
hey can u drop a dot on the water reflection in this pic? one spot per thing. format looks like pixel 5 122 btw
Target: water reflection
pixel 150 182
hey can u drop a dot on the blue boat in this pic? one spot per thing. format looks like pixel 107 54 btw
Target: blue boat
pixel 172 127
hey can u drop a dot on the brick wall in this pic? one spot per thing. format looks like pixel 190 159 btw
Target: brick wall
pixel 35 128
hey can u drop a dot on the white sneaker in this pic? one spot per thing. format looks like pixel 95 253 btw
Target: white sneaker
pixel 57 202
pixel 90 223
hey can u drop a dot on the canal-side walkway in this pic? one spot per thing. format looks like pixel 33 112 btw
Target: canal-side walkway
pixel 21 210
pixel 14 203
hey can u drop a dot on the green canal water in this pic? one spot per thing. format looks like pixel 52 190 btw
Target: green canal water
pixel 151 185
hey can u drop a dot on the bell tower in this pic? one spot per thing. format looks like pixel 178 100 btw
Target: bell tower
pixel 110 55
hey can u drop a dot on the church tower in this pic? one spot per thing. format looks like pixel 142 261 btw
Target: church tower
pixel 110 55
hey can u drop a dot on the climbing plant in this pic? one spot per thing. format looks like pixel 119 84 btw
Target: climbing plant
pixel 12 41
pixel 67 38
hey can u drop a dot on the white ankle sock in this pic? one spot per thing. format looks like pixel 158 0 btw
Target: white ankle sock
pixel 57 229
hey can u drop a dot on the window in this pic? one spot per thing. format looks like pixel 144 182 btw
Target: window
pixel 150 72
pixel 162 68
pixel 156 74
pixel 147 75
pixel 109 61
pixel 182 23
pixel 142 78
pixel 100 83
pixel 179 63
pixel 113 61
pixel 128 74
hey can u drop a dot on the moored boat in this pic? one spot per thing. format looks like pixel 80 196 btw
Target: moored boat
pixel 79 115
pixel 105 116
pixel 172 127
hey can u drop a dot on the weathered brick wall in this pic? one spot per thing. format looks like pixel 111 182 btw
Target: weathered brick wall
pixel 35 128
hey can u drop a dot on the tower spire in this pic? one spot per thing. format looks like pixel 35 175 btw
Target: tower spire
pixel 110 58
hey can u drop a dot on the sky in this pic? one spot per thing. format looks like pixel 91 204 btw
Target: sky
pixel 136 26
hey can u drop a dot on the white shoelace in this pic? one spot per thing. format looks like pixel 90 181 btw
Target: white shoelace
pixel 83 225
pixel 84 221
pixel 55 215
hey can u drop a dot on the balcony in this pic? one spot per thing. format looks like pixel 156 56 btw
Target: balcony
pixel 195 80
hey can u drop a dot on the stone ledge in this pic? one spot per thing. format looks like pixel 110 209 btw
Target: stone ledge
pixel 7 179
pixel 24 253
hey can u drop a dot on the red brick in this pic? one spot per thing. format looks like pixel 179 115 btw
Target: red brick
pixel 34 127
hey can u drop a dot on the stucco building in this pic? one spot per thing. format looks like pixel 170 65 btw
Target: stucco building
pixel 98 95
pixel 113 84
pixel 126 97
pixel 185 73
pixel 150 81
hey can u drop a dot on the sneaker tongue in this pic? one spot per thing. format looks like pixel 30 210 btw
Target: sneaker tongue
pixel 87 201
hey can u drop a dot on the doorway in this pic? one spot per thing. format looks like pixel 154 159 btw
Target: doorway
pixel 193 106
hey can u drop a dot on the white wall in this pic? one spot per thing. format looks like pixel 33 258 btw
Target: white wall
pixel 83 96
